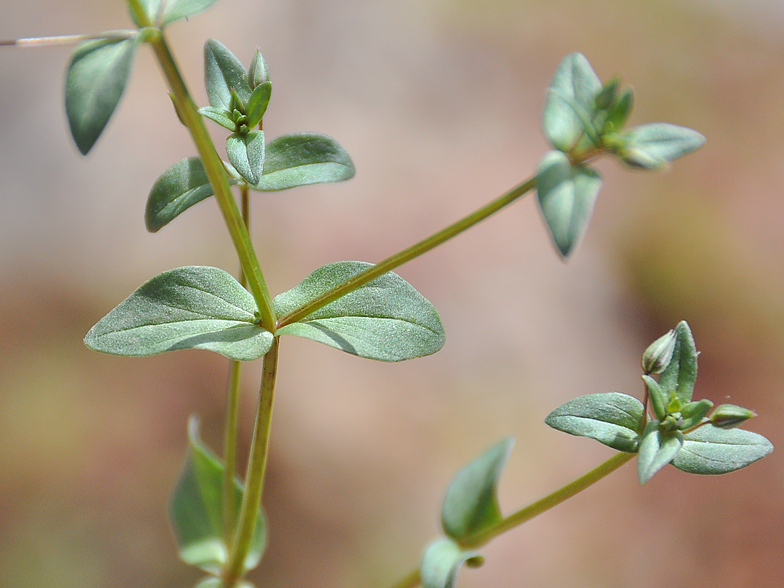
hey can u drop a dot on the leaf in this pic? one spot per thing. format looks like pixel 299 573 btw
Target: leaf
pixel 220 116
pixel 656 450
pixel 441 562
pixel 191 307
pixel 681 373
pixel 710 450
pixel 222 73
pixel 613 418
pixel 302 159
pixel 246 154
pixel 213 582
pixel 574 87
pixel 654 145
pixel 258 102
pixel 386 319
pixel 94 84
pixel 196 510
pixel 567 195
pixel 471 502
pixel 149 11
pixel 176 9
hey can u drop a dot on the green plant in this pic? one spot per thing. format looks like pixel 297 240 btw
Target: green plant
pixel 363 309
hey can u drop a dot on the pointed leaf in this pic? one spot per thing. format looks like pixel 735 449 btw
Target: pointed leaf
pixel 441 562
pixel 656 450
pixel 196 510
pixel 567 195
pixel 302 159
pixel 220 116
pixel 614 419
pixel 185 308
pixel 176 9
pixel 246 154
pixel 223 72
pixel 574 88
pixel 709 450
pixel 94 85
pixel 471 502
pixel 386 319
pixel 258 102
pixel 654 145
pixel 681 373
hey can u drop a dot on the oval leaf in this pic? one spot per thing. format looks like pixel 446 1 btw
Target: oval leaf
pixel 196 510
pixel 613 418
pixel 223 72
pixel 176 9
pixel 441 562
pixel 258 102
pixel 681 373
pixel 94 83
pixel 386 319
pixel 567 195
pixel 185 308
pixel 302 159
pixel 656 451
pixel 246 154
pixel 471 502
pixel 220 116
pixel 654 145
pixel 709 450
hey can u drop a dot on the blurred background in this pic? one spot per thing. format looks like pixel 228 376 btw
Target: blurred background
pixel 438 102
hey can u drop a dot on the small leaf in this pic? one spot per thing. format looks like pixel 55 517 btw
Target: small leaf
pixel 302 159
pixel 196 510
pixel 654 145
pixel 656 450
pixel 185 308
pixel 567 195
pixel 613 418
pixel 620 111
pixel 149 11
pixel 257 103
pixel 657 397
pixel 471 502
pixel 441 562
pixel 386 319
pixel 681 373
pixel 223 72
pixel 709 450
pixel 176 9
pixel 574 87
pixel 220 116
pixel 246 154
pixel 94 84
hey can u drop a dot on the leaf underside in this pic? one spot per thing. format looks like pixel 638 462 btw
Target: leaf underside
pixel 441 562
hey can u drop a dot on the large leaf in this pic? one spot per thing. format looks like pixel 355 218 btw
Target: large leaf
pixel 654 145
pixel 681 373
pixel 185 308
pixel 441 562
pixel 302 159
pixel 567 194
pixel 656 450
pixel 710 450
pixel 386 319
pixel 176 9
pixel 471 502
pixel 223 72
pixel 246 154
pixel 94 83
pixel 196 510
pixel 613 418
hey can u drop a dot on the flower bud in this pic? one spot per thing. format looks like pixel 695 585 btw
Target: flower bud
pixel 659 353
pixel 729 416
pixel 257 72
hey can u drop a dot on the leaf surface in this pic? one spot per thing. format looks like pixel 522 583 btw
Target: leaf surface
pixel 441 562
pixel 681 373
pixel 222 73
pixel 656 450
pixel 654 145
pixel 176 9
pixel 710 450
pixel 246 154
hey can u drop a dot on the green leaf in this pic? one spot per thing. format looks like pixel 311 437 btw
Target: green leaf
pixel 176 9
pixel 185 308
pixel 257 103
pixel 246 154
pixel 710 450
pixel 223 72
pixel 386 319
pixel 302 159
pixel 94 83
pixel 567 195
pixel 681 373
pixel 149 11
pixel 613 418
pixel 656 450
pixel 657 397
pixel 471 502
pixel 619 111
pixel 571 101
pixel 441 562
pixel 213 582
pixel 220 116
pixel 196 510
pixel 654 145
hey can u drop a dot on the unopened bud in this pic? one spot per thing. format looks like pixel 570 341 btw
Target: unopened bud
pixel 729 416
pixel 659 353
pixel 257 72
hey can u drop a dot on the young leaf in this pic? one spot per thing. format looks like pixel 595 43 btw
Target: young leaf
pixel 471 502
pixel 574 88
pixel 681 373
pixel 654 145
pixel 709 450
pixel 223 72
pixel 656 450
pixel 657 396
pixel 185 308
pixel 302 159
pixel 613 418
pixel 246 154
pixel 220 116
pixel 196 510
pixel 176 9
pixel 441 562
pixel 94 84
pixel 386 319
pixel 567 194
pixel 258 102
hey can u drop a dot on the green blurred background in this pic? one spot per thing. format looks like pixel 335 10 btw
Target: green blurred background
pixel 438 102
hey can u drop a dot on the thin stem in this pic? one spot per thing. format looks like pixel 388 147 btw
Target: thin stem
pixel 257 465
pixel 408 254
pixel 66 39
pixel 230 450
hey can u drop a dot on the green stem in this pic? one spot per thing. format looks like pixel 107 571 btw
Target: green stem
pixel 408 254
pixel 410 581
pixel 230 450
pixel 216 174
pixel 257 465
pixel 66 39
